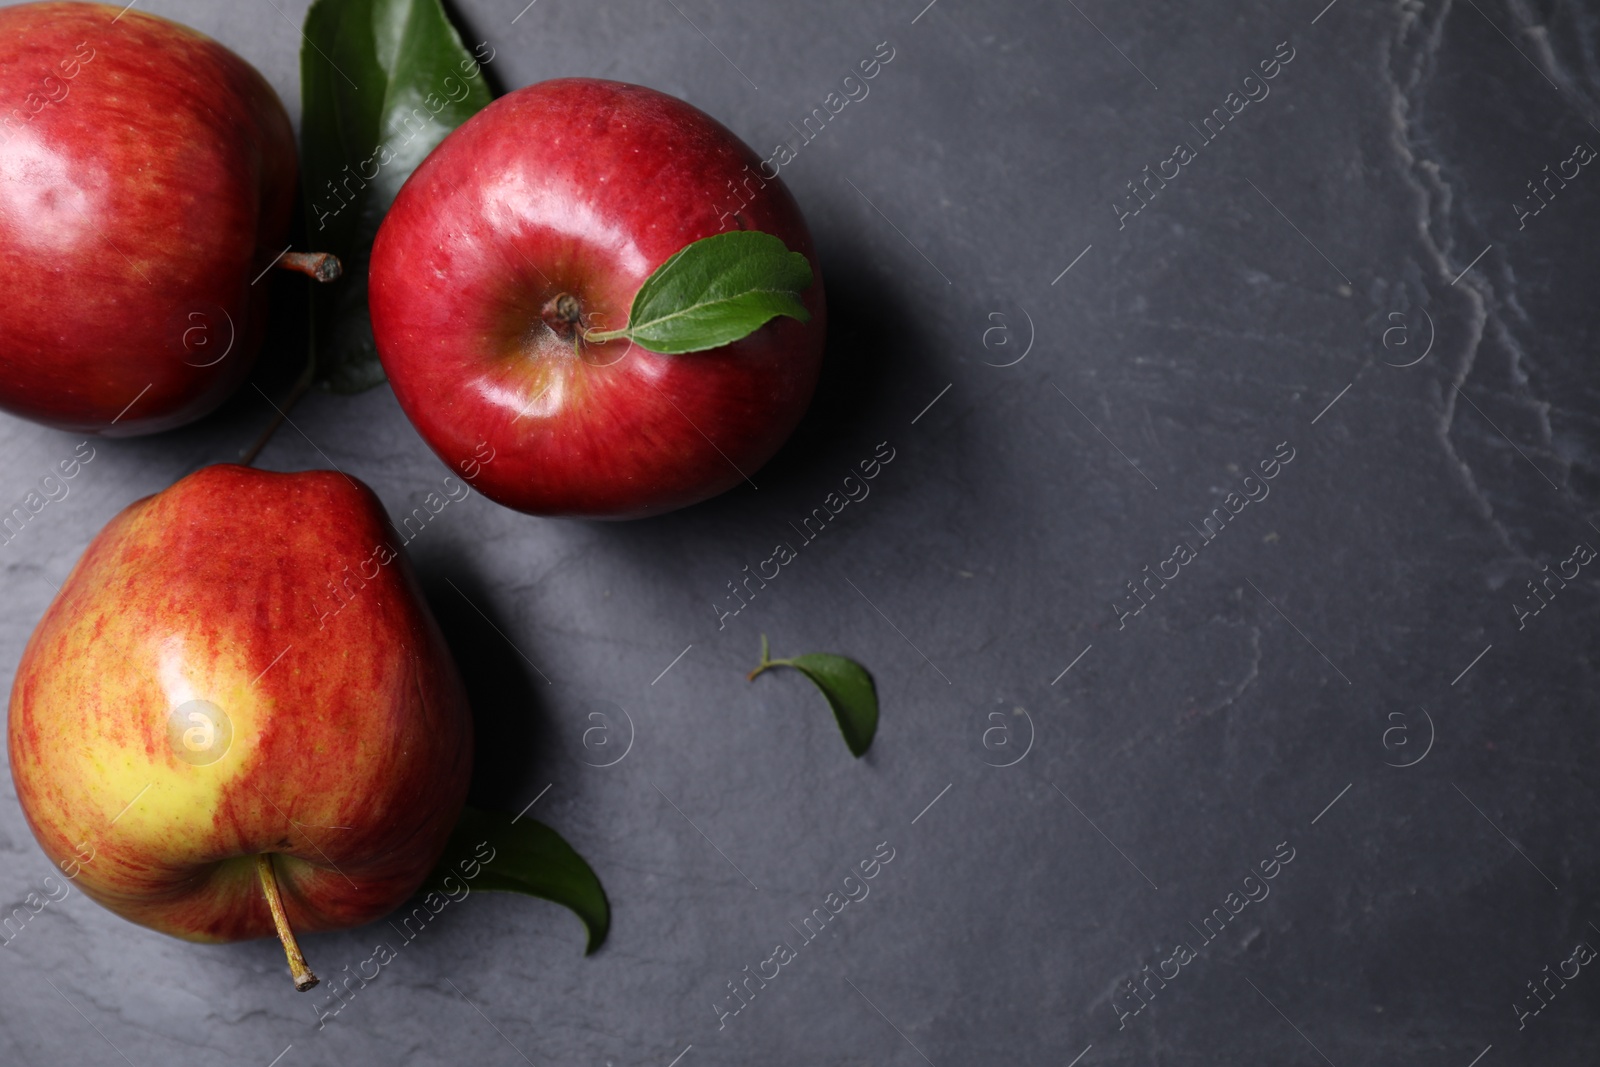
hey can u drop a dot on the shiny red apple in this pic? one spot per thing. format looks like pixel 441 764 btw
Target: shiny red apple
pixel 146 181
pixel 238 715
pixel 537 221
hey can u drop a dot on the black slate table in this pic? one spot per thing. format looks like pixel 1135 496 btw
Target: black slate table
pixel 1318 789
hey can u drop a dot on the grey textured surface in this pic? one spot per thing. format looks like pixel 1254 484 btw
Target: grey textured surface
pixel 1327 632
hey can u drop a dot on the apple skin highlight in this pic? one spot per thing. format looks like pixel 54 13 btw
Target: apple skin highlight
pixel 583 187
pixel 349 739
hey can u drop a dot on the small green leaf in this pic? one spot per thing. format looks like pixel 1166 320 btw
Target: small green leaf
pixel 846 685
pixel 715 291
pixel 382 82
pixel 527 857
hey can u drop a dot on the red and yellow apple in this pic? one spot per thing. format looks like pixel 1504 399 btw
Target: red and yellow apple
pixel 534 224
pixel 240 703
pixel 146 180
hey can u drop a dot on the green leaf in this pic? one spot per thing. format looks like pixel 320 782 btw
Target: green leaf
pixel 715 291
pixel 524 856
pixel 846 685
pixel 382 82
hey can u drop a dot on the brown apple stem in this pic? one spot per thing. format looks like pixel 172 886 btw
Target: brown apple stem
pixel 321 266
pixel 303 978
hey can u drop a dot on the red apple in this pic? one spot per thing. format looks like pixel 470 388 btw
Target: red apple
pixel 239 698
pixel 146 178
pixel 581 188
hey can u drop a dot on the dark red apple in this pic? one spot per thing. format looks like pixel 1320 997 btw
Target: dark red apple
pixel 146 178
pixel 581 188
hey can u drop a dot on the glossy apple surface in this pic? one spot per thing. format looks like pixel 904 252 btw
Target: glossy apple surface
pixel 334 733
pixel 583 187
pixel 146 177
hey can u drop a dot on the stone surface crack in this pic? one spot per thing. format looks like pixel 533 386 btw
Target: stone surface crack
pixel 1407 65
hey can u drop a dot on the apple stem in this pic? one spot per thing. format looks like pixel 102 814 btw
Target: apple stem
pixel 600 337
pixel 321 266
pixel 303 978
pixel 767 662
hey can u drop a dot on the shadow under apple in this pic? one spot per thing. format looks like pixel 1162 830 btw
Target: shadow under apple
pixel 513 744
pixel 870 365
